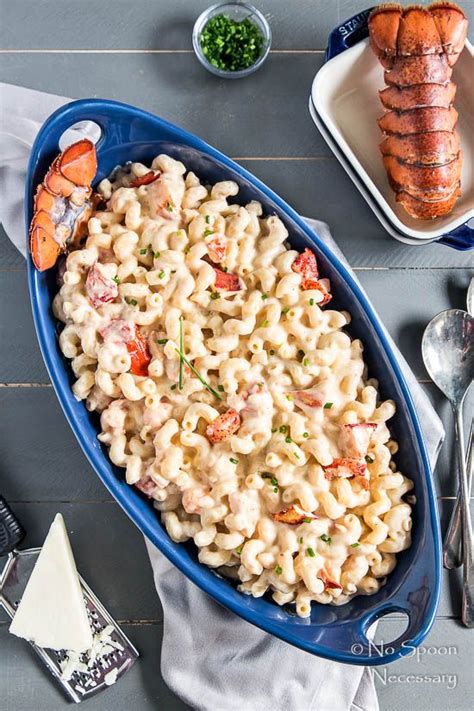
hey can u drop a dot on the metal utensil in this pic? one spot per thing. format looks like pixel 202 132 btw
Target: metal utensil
pixel 111 656
pixel 470 298
pixel 452 549
pixel 448 354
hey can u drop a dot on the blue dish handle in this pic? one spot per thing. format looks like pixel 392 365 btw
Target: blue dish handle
pixel 461 238
pixel 348 34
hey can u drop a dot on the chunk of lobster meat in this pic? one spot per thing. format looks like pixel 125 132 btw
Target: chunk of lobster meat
pixel 118 331
pixel 312 398
pixel 306 265
pixel 225 281
pixel 354 439
pixel 428 209
pixel 418 96
pixel 321 285
pixel 451 23
pixel 78 163
pixel 147 486
pixel 223 427
pixel 432 148
pixel 423 182
pixel 216 248
pixel 145 179
pixel 429 118
pixel 165 196
pixel 383 24
pixel 431 68
pixel 328 577
pixel 346 468
pixel 294 515
pixel 417 33
pixel 121 331
pixel 196 499
pixel 99 288
pixel 139 353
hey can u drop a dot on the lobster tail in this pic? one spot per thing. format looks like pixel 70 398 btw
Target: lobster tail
pixel 418 47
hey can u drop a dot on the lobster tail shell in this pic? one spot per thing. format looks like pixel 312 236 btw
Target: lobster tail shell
pixel 418 48
pixel 63 203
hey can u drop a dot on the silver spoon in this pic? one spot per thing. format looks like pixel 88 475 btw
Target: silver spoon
pixel 452 549
pixel 448 354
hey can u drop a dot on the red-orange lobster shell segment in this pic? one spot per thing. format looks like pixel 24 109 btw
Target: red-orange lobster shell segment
pixel 63 203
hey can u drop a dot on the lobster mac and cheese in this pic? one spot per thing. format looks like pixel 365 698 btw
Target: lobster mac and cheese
pixel 229 391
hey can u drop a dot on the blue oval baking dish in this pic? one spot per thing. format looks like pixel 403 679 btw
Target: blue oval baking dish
pixel 337 633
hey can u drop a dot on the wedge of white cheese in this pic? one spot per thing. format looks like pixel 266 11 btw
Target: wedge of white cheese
pixel 52 612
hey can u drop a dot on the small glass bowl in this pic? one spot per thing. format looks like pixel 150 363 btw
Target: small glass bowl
pixel 238 11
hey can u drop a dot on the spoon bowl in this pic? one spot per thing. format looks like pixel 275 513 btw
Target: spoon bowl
pixel 448 352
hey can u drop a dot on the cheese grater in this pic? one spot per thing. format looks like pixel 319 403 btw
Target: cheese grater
pixel 80 675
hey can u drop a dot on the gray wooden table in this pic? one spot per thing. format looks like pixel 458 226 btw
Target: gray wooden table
pixel 140 52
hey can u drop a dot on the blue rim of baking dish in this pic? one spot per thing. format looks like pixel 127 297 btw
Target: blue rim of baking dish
pixel 343 37
pixel 328 624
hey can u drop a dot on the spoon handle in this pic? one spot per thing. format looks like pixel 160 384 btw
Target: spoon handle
pixel 452 549
pixel 467 613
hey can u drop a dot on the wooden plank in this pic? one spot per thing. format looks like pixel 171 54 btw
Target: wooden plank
pixel 109 550
pixel 145 25
pixel 26 685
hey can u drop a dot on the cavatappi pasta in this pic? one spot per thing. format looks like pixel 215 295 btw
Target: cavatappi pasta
pixel 229 390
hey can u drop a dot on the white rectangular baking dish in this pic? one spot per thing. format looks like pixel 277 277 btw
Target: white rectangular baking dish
pixel 345 96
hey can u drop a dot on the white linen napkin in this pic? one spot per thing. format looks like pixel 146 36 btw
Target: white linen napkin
pixel 210 658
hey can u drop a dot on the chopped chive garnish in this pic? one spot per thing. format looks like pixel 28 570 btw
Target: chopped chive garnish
pixel 311 302
pixel 283 429
pixel 169 206
pixel 274 481
pixel 310 552
pixel 297 455
pixel 301 540
pixel 288 440
pixel 289 397
pixel 215 295
pixel 369 459
pixel 198 375
pixel 233 461
pixel 307 520
pixel 181 347
pixel 208 232
pixel 306 435
pixel 208 219
pixel 161 275
pixel 264 323
pixel 131 302
pixel 144 251
pixel 305 361
pixel 186 250
pixel 162 341
pixel 239 550
pixel 285 310
pixel 220 388
pixel 273 430
pixel 264 297
pixel 355 545
pixel 116 279
pixel 278 570
pixel 328 405
pixel 156 255
pixel 326 539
